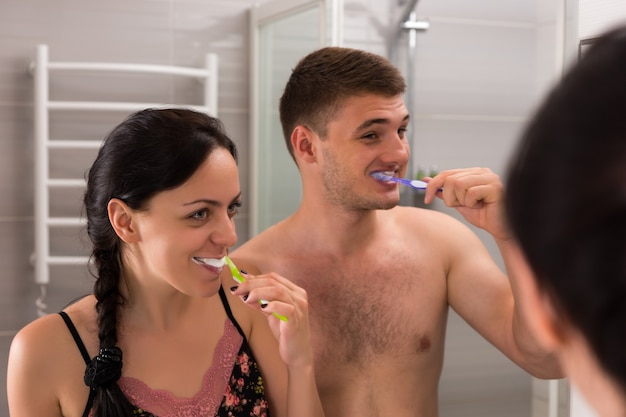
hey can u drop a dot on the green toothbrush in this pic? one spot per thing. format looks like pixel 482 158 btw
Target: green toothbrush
pixel 240 279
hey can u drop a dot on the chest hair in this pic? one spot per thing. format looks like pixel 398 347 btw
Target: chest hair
pixel 361 310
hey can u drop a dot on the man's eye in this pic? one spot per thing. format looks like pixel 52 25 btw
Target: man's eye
pixel 370 136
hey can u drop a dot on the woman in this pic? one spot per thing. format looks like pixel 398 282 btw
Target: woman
pixel 160 336
pixel 566 204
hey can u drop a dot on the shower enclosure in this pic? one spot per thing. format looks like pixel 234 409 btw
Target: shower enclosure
pixel 281 33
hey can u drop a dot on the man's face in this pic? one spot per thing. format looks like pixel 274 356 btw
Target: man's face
pixel 365 136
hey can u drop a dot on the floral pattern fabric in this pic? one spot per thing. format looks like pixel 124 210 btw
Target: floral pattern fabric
pixel 232 386
pixel 245 394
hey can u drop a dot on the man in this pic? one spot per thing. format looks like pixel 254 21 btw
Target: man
pixel 380 277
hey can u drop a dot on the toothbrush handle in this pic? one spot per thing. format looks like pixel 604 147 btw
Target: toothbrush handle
pixel 404 181
pixel 240 279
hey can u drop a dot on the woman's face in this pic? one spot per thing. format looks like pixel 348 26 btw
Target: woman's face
pixel 185 231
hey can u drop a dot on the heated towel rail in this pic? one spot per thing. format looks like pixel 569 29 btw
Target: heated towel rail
pixel 42 69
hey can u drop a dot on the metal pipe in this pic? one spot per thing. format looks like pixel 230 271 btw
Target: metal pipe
pixel 41 165
pixel 408 22
pixel 395 39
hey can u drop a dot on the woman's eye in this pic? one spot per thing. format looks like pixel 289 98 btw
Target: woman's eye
pixel 234 208
pixel 200 215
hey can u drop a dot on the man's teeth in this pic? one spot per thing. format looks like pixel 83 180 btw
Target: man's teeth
pixel 214 262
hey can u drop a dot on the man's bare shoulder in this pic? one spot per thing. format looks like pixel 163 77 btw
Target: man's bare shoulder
pixel 258 249
pixel 418 221
pixel 286 236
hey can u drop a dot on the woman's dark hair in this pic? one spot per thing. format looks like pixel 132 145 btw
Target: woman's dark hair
pixel 153 150
pixel 566 199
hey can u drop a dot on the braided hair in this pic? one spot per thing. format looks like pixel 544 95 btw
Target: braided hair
pixel 151 151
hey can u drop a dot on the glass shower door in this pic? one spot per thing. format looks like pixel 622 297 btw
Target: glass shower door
pixel 282 33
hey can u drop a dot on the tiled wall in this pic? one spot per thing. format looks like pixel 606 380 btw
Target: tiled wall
pixel 480 69
pixel 598 16
pixel 140 31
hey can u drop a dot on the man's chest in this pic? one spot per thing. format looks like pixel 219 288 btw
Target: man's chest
pixel 361 309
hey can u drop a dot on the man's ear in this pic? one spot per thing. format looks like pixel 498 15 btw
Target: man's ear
pixel 538 306
pixel 122 220
pixel 303 144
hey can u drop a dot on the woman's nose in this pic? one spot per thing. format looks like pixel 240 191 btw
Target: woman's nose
pixel 225 234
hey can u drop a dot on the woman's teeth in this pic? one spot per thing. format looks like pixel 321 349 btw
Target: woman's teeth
pixel 214 262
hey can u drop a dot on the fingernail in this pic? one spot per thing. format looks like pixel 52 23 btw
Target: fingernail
pixel 243 271
pixel 233 289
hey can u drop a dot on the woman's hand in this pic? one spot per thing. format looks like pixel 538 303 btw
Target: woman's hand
pixel 286 307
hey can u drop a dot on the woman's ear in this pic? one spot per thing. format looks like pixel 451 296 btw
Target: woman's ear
pixel 303 144
pixel 538 307
pixel 122 220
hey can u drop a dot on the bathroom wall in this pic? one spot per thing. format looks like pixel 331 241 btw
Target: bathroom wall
pixel 481 68
pixel 173 32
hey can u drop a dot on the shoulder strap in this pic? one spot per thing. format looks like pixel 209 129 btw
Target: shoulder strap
pixel 83 352
pixel 76 336
pixel 229 313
